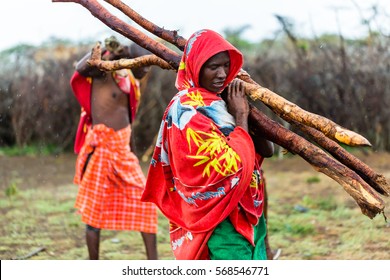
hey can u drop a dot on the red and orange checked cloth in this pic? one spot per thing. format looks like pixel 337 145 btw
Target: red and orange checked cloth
pixel 112 184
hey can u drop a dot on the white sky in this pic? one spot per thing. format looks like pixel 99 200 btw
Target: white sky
pixel 34 21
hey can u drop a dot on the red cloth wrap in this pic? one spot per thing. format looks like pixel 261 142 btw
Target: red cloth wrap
pixel 201 174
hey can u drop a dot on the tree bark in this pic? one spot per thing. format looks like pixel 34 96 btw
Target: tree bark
pixel 146 60
pixel 292 112
pixel 369 202
pixel 128 31
pixel 377 181
pixel 167 35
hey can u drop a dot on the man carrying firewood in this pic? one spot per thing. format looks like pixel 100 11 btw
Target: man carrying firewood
pixel 205 171
pixel 108 173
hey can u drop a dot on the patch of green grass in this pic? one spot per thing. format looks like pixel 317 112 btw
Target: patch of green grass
pixel 299 229
pixel 296 225
pixel 30 150
pixel 311 250
pixel 51 207
pixel 313 180
pixel 11 190
pixel 341 213
pixel 322 203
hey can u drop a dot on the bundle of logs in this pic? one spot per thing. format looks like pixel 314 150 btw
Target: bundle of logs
pixel 358 179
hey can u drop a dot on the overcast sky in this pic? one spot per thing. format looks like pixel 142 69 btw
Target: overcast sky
pixel 34 21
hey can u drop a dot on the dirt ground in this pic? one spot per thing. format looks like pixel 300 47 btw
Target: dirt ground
pixel 289 181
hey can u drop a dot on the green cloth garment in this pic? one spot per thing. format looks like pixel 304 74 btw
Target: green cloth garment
pixel 227 244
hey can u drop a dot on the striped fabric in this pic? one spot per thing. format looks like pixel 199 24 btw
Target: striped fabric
pixel 112 183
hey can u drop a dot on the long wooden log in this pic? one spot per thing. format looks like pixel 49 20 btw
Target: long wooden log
pixel 369 201
pixel 169 36
pixel 128 31
pixel 145 60
pixel 290 111
pixel 375 180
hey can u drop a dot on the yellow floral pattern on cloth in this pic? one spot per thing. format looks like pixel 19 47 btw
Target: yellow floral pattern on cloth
pixel 213 151
pixel 196 99
pixel 182 66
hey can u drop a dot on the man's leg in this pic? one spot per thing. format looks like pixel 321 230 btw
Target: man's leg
pixel 150 241
pixel 226 243
pixel 93 239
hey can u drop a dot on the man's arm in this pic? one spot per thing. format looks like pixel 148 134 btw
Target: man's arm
pixel 87 70
pixel 134 51
pixel 263 147
pixel 111 51
pixel 131 51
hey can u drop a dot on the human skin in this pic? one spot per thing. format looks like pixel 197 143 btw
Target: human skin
pixel 212 77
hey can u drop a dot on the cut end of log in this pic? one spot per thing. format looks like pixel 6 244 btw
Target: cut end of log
pixel 372 212
pixel 351 138
pixel 370 205
pixel 369 201
pixel 384 185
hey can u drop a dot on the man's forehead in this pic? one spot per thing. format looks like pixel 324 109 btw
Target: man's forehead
pixel 220 57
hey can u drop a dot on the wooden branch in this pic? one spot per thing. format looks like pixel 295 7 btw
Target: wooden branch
pixel 31 254
pixel 128 31
pixel 369 202
pixel 290 111
pixel 329 128
pixel 146 60
pixel 167 35
pixel 377 181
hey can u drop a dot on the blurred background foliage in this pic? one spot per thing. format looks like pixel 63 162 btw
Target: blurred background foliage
pixel 345 80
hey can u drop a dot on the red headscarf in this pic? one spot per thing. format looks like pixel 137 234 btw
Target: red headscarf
pixel 201 46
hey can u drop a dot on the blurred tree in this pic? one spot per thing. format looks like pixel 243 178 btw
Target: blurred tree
pixel 235 37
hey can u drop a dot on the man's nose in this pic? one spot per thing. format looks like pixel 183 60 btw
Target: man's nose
pixel 221 73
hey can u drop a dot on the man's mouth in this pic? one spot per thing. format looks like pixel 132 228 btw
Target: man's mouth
pixel 219 84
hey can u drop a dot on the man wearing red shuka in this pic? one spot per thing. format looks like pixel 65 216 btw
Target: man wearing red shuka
pixel 108 173
pixel 205 174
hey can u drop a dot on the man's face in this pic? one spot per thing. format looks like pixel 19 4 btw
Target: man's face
pixel 213 73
